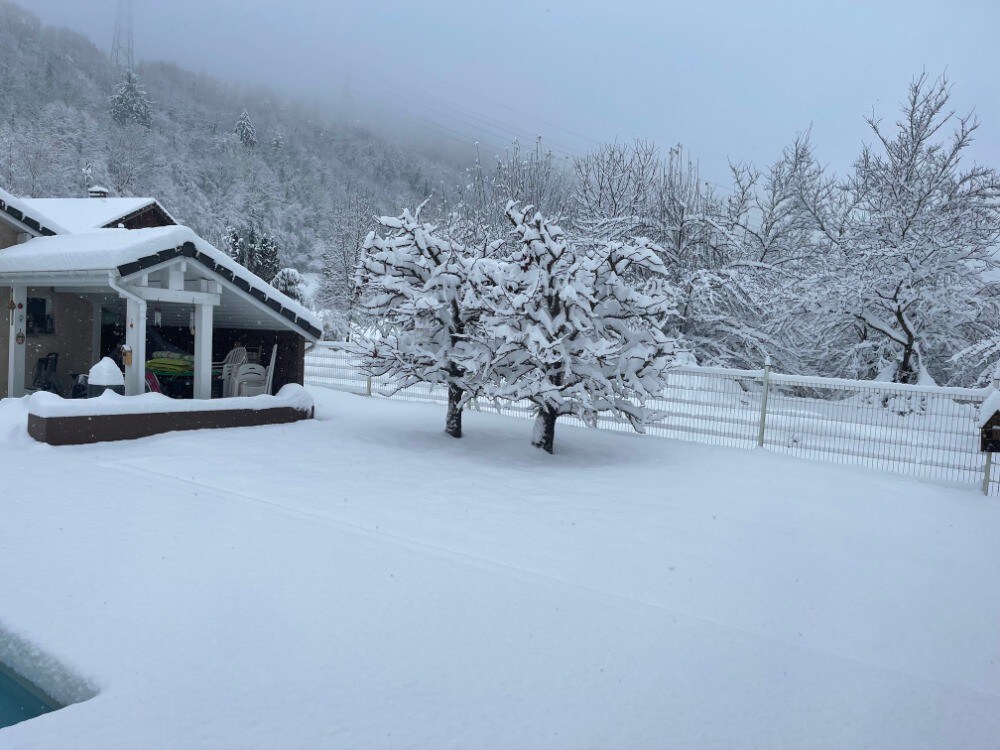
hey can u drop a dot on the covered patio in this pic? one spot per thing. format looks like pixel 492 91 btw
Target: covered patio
pixel 144 296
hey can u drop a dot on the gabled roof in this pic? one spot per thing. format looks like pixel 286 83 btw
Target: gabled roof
pixel 18 212
pixel 85 214
pixel 129 252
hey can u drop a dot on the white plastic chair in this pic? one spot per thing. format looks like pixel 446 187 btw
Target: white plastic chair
pixel 250 380
pixel 236 357
pixel 253 380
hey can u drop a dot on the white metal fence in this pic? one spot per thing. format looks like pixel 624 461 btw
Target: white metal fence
pixel 923 431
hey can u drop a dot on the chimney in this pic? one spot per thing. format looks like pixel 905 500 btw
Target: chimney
pixel 97 191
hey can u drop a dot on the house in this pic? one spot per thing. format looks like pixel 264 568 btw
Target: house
pixel 81 277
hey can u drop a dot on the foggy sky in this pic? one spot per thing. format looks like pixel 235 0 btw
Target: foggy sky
pixel 730 80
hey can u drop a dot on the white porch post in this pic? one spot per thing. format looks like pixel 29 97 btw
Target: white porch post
pixel 135 339
pixel 95 330
pixel 15 350
pixel 203 351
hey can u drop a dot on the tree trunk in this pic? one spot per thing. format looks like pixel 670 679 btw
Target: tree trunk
pixel 453 423
pixel 907 372
pixel 544 435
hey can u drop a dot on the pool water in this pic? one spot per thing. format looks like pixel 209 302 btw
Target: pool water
pixel 19 700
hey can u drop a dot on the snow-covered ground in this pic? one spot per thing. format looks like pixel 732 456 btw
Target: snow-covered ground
pixel 364 581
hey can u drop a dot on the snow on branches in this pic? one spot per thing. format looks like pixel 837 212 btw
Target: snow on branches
pixel 424 290
pixel 130 103
pixel 574 329
pixel 245 130
pixel 915 234
pixel 579 330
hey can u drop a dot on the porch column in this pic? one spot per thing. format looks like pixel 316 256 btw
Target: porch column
pixel 15 350
pixel 95 330
pixel 203 351
pixel 135 339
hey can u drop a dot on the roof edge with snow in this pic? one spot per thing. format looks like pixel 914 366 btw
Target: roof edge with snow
pixel 15 209
pixel 190 251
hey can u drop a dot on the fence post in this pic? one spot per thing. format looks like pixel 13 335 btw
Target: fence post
pixel 763 401
pixel 989 456
pixel 368 386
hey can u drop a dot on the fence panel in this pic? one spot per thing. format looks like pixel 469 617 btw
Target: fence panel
pixel 921 431
pixel 925 432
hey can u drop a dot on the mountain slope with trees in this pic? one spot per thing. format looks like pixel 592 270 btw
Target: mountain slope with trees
pixel 222 158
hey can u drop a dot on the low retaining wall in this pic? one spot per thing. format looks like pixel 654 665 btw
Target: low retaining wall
pixel 79 430
pixel 110 416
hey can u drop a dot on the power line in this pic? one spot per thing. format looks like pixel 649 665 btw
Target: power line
pixel 527 114
pixel 464 116
pixel 455 135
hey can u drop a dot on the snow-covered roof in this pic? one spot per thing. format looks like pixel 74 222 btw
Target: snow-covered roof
pixel 84 214
pixel 989 407
pixel 127 252
pixel 19 210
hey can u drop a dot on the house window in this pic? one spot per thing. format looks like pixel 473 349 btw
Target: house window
pixel 39 317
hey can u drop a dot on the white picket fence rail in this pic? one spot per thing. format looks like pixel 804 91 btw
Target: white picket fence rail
pixel 922 431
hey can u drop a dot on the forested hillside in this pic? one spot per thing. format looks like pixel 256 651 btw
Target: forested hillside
pixel 292 183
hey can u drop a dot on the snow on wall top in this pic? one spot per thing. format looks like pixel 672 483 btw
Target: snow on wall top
pixel 20 207
pixel 48 405
pixel 107 249
pixel 84 214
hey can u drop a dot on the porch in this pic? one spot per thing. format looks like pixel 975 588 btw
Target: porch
pixel 142 299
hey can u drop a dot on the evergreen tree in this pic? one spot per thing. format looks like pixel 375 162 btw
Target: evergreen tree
pixel 129 104
pixel 289 282
pixel 234 245
pixel 268 264
pixel 245 130
pixel 254 250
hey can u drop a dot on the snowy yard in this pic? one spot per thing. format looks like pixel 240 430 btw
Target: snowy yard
pixel 363 580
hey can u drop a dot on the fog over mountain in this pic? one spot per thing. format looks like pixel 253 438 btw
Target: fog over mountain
pixel 730 80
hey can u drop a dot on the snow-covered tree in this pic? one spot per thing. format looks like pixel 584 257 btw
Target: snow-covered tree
pixel 289 281
pixel 130 103
pixel 578 330
pixel 626 190
pixel 245 130
pixel 535 175
pixel 615 186
pixel 913 234
pixel 424 293
pixel 350 223
pixel 129 159
pixel 254 250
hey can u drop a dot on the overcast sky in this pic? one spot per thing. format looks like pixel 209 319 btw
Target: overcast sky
pixel 730 80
